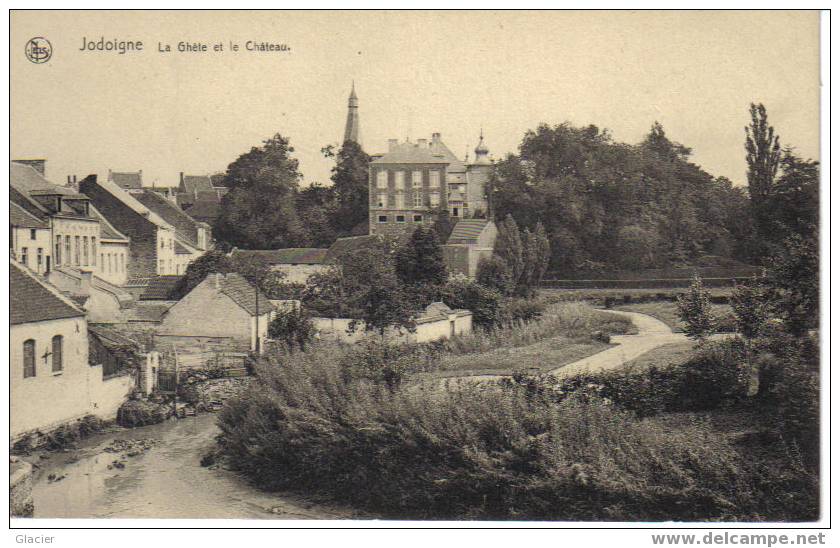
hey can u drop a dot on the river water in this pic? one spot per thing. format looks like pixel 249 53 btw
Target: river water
pixel 164 481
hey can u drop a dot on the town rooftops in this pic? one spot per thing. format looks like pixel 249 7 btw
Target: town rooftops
pixel 203 210
pixel 33 300
pixel 106 229
pixel 293 255
pixel 128 200
pixel 28 204
pixel 241 292
pixel 128 180
pixel 27 179
pixel 410 153
pixel 184 224
pixel 158 288
pixel 351 244
pixel 18 216
pixel 467 231
pixel 195 183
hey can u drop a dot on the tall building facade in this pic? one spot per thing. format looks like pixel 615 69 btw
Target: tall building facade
pixel 413 183
pixel 351 127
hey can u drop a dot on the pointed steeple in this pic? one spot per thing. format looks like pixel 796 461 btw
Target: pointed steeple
pixel 351 128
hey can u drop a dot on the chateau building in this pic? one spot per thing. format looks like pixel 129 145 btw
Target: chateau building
pixel 413 183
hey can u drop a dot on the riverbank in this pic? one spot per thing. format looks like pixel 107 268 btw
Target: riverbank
pixel 159 475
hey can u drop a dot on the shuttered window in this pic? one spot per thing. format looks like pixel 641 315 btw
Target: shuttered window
pixel 28 358
pixel 57 353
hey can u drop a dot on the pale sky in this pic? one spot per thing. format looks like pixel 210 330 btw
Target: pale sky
pixel 415 73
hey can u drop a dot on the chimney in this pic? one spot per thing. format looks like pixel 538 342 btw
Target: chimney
pixel 422 143
pixel 392 144
pixel 39 165
pixel 435 137
pixel 181 184
pixel 85 281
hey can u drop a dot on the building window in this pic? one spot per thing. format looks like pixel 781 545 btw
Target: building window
pixel 416 179
pixel 57 353
pixel 454 211
pixel 122 263
pixel 383 218
pixel 102 260
pixel 418 199
pixel 24 256
pixel 381 200
pixel 68 257
pixel 110 263
pixel 93 250
pixel 434 179
pixel 400 201
pixel 85 250
pixel 39 258
pixel 418 218
pixel 434 199
pixel 399 180
pixel 382 179
pixel 28 358
pixel 161 266
pixel 57 250
pixel 400 218
pixel 78 260
pixel 33 234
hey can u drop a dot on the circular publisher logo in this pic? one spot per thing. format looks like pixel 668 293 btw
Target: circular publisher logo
pixel 38 50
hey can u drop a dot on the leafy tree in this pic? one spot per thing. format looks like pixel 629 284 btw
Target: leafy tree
pixel 254 269
pixel 293 327
pixel 796 197
pixel 483 302
pixel 420 260
pixel 763 156
pixel 350 183
pixel 444 223
pixel 259 210
pixel 510 249
pixel 695 310
pixel 536 254
pixel 793 275
pixel 494 273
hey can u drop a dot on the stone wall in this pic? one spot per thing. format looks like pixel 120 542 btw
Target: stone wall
pixel 20 489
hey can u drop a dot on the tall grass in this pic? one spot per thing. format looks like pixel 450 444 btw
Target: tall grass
pixel 468 451
pixel 574 320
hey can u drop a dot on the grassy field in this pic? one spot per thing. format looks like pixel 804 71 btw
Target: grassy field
pixel 563 335
pixel 666 311
pixel 668 355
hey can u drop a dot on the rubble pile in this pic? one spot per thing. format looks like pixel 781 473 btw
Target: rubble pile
pixel 135 413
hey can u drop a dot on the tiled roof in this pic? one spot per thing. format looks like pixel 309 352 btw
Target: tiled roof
pixel 172 214
pixel 468 229
pixel 113 338
pixel 106 229
pixel 128 200
pixel 210 195
pixel 18 216
pixel 33 300
pixel 31 206
pixel 350 244
pixel 127 180
pixel 196 183
pixel 294 255
pixel 455 165
pixel 27 179
pixel 148 311
pixel 411 153
pixel 159 288
pixel 205 211
pixel 180 249
pixel 242 292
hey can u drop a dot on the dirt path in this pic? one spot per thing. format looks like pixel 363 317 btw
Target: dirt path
pixel 652 334
pixel 164 481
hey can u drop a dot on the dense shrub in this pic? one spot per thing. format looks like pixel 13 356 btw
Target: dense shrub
pixel 494 273
pixel 467 451
pixel 715 376
pixel 293 327
pixel 519 309
pixel 484 303
pixel 384 362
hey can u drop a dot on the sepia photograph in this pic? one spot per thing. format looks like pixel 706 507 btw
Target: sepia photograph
pixel 484 267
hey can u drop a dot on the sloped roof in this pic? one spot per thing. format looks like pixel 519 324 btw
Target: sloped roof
pixel 106 229
pixel 293 255
pixel 411 153
pixel 127 180
pixel 468 229
pixel 123 297
pixel 180 249
pixel 455 164
pixel 196 183
pixel 159 288
pixel 18 216
pixel 151 311
pixel 33 300
pixel 205 211
pixel 28 204
pixel 131 202
pixel 172 214
pixel 241 292
pixel 27 179
pixel 350 244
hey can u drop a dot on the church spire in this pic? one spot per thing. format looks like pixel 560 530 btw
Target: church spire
pixel 351 128
pixel 481 150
